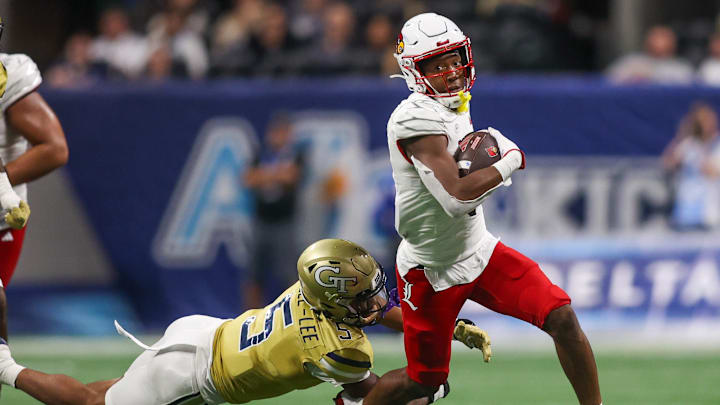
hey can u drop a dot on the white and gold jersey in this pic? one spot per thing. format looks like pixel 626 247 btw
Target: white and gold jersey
pixel 285 346
pixel 431 237
pixel 21 78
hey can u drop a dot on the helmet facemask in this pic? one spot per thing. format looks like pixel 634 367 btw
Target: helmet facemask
pixel 422 81
pixel 368 307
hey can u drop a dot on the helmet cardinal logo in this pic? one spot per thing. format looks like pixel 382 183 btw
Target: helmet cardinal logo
pixel 492 151
pixel 400 44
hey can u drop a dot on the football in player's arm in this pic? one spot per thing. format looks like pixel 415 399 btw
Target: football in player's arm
pixel 312 333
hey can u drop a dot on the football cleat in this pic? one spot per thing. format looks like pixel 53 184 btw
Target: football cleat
pixel 342 398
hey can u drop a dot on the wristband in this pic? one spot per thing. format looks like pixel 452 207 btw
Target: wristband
pixel 5 186
pixel 507 165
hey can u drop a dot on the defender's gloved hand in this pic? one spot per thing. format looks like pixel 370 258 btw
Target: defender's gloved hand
pixel 473 337
pixel 16 211
pixel 18 216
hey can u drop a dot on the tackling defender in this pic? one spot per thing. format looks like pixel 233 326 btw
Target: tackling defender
pixel 311 333
pixel 447 256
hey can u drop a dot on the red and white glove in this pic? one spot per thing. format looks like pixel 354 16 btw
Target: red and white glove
pixel 512 157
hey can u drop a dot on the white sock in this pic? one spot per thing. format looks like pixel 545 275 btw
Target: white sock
pixel 10 373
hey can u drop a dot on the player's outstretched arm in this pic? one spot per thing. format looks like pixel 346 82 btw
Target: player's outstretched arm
pixel 393 318
pixel 353 394
pixel 53 389
pixel 36 121
pixel 465 330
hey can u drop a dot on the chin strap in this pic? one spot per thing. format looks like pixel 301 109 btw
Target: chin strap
pixel 465 97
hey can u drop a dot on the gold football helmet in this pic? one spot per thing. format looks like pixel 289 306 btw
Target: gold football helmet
pixel 342 281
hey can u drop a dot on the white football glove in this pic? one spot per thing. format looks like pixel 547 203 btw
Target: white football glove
pixel 512 158
pixel 473 337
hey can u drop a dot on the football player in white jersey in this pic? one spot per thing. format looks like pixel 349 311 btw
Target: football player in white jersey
pixel 32 144
pixel 447 256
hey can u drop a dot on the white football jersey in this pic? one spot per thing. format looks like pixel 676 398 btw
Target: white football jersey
pixel 452 250
pixel 23 77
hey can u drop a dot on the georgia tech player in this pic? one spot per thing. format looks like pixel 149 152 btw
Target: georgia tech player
pixel 32 144
pixel 311 333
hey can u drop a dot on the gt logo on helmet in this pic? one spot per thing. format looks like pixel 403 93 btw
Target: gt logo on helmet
pixel 340 283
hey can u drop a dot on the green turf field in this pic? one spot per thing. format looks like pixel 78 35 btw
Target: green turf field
pixel 510 378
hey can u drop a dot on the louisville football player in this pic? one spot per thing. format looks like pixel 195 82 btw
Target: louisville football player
pixel 32 144
pixel 311 333
pixel 447 255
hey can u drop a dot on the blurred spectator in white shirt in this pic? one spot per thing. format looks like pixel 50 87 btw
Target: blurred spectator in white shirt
pixel 196 15
pixel 693 157
pixel 119 47
pixel 185 45
pixel 76 68
pixel 657 64
pixel 235 25
pixel 231 35
pixel 709 71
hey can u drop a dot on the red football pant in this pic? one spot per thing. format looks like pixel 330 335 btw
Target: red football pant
pixel 511 284
pixel 10 252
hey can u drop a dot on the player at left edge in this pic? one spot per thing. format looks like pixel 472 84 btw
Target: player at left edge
pixel 32 144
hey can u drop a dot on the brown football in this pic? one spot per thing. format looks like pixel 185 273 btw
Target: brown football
pixel 477 150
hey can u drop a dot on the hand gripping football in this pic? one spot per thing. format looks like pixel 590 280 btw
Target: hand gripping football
pixel 477 150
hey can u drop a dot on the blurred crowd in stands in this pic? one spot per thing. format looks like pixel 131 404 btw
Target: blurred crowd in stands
pixel 160 39
pixel 157 40
pixel 660 61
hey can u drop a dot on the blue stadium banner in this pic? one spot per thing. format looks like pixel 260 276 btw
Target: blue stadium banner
pixel 159 172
